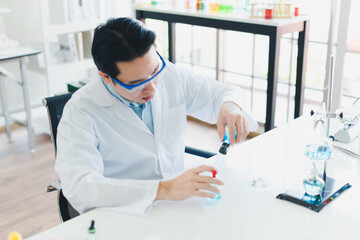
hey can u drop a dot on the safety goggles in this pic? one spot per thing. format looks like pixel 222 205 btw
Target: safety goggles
pixel 140 86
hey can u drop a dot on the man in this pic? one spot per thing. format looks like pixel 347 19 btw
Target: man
pixel 122 136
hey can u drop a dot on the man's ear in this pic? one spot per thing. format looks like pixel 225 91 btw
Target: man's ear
pixel 107 79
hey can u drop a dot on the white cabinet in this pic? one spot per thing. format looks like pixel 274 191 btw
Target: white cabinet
pixel 63 31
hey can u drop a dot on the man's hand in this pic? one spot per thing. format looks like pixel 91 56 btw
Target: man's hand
pixel 231 115
pixel 189 185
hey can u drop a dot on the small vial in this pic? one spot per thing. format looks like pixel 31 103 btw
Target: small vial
pixel 214 6
pixel 199 5
pixel 91 229
pixel 187 5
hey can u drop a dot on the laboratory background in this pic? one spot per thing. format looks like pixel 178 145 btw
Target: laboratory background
pixel 296 61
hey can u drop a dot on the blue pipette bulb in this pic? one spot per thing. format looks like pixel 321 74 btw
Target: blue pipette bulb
pixel 226 141
pixel 227 135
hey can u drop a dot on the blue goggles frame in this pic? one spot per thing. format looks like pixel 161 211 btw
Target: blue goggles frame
pixel 129 87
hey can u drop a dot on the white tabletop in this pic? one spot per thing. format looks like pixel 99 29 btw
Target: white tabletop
pixel 277 155
pixel 235 17
pixel 19 52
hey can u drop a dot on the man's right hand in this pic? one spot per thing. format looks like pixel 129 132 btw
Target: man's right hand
pixel 189 185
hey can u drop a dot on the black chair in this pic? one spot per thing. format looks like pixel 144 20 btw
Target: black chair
pixel 55 106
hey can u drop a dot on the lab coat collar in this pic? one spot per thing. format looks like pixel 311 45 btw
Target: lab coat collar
pixel 103 98
pixel 100 94
pixel 128 115
pixel 125 112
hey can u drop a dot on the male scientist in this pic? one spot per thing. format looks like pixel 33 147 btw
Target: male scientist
pixel 122 136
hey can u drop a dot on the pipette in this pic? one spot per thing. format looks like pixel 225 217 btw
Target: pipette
pixel 225 145
pixel 226 141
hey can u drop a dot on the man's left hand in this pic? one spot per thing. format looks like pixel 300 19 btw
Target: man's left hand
pixel 232 116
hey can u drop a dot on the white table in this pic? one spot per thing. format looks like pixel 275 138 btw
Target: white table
pixel 21 53
pixel 277 155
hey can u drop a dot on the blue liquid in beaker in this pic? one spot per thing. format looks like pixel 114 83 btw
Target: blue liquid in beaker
pixel 313 187
pixel 218 197
pixel 318 152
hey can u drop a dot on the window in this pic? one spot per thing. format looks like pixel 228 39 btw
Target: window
pixel 351 70
pixel 245 56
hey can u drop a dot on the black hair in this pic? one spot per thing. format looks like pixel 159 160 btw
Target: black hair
pixel 120 40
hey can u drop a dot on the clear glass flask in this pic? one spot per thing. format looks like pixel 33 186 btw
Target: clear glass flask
pixel 218 161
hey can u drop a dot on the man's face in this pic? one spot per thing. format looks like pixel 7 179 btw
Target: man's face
pixel 134 72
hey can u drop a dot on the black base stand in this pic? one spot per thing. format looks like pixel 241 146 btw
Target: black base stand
pixel 296 194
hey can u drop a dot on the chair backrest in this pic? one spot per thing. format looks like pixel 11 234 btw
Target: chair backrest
pixel 55 106
pixel 66 211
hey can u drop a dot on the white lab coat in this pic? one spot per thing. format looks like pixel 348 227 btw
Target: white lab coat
pixel 108 158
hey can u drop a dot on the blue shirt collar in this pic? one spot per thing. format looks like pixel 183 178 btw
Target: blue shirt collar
pixel 118 96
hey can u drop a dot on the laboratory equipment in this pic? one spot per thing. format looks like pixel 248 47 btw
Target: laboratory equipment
pixel 225 6
pixel 91 229
pixel 351 123
pixel 268 13
pixel 215 174
pixel 187 4
pixel 214 6
pixel 280 9
pixel 200 5
pixel 332 190
pixel 219 158
pixel 258 185
pixel 296 11
pixel 259 182
pixel 317 190
pixel 319 151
